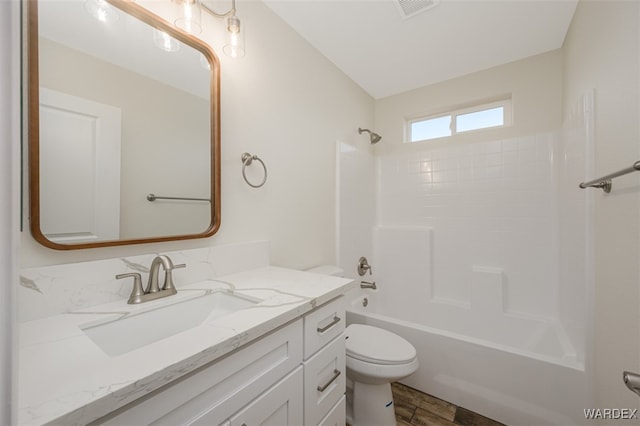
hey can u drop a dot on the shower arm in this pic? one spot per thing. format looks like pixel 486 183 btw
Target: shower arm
pixel 373 137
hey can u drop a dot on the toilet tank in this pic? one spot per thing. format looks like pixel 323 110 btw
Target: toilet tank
pixel 328 270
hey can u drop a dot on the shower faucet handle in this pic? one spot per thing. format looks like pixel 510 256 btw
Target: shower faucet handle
pixel 363 266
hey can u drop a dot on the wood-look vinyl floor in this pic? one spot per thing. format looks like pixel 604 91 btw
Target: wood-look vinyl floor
pixel 414 408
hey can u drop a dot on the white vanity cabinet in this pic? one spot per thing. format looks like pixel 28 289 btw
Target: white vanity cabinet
pixel 280 405
pixel 292 376
pixel 212 394
pixel 324 365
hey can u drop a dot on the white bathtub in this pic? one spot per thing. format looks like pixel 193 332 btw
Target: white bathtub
pixel 520 372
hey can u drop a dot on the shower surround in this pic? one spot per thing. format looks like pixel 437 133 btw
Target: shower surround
pixel 487 214
pixel 480 255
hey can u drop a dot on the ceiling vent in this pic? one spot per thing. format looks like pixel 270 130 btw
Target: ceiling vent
pixel 409 8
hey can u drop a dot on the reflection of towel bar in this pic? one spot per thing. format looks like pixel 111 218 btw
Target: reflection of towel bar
pixel 604 182
pixel 153 197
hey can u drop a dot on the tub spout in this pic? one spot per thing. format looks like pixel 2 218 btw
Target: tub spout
pixel 366 284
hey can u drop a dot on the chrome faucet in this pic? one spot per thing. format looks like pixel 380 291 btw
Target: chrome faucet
pixel 153 290
pixel 154 270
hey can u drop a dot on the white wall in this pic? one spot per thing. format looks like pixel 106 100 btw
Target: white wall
pixel 289 105
pixel 602 53
pixel 9 199
pixel 535 85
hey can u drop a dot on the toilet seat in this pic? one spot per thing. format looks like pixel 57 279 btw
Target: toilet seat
pixel 377 346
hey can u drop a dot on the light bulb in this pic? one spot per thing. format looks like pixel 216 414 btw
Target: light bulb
pixel 235 44
pixel 191 15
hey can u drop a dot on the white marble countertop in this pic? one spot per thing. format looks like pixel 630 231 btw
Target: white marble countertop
pixel 65 378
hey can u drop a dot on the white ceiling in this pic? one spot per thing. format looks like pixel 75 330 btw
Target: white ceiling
pixel 385 54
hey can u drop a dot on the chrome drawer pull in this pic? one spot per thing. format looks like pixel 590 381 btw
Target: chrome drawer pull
pixel 336 374
pixel 336 320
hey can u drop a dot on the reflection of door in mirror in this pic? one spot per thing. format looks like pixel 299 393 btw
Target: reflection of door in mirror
pixel 167 136
pixel 80 188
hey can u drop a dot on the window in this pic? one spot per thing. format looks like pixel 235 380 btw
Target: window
pixel 431 128
pixel 494 114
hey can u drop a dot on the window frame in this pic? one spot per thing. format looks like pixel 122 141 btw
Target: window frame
pixel 504 103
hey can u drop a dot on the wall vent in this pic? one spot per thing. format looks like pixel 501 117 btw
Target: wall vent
pixel 409 8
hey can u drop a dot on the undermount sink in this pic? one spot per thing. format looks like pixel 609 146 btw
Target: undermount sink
pixel 132 332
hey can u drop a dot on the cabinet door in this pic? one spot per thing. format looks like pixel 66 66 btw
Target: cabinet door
pixel 279 406
pixel 324 381
pixel 338 414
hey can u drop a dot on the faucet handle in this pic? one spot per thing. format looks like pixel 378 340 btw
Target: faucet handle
pixel 168 277
pixel 363 266
pixel 137 292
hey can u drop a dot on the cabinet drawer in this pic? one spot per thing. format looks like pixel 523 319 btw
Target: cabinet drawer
pixel 324 380
pixel 279 406
pixel 221 388
pixel 322 325
pixel 338 414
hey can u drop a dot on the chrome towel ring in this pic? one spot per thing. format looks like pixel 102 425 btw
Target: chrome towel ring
pixel 247 159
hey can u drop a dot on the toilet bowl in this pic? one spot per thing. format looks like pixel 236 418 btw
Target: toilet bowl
pixel 375 358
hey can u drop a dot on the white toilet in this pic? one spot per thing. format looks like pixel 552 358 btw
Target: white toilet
pixel 375 358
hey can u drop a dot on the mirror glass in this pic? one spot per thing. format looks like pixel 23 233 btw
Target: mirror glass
pixel 124 127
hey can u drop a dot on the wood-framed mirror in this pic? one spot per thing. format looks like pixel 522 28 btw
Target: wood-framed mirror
pixel 124 127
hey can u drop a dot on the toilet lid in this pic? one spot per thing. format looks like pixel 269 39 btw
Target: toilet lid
pixel 378 346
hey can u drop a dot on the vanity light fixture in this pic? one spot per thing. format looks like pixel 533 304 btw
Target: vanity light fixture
pixel 190 22
pixel 235 42
pixel 190 19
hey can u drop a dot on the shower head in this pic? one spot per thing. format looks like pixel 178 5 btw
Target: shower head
pixel 375 138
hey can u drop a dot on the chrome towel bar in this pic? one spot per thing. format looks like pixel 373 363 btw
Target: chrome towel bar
pixel 153 197
pixel 632 380
pixel 604 182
